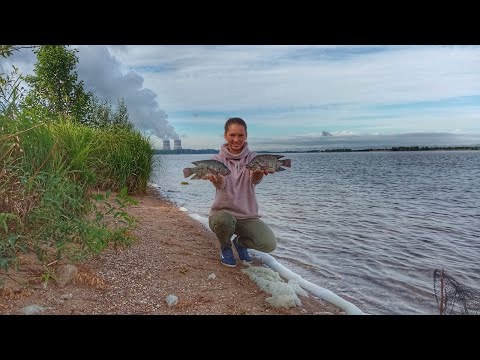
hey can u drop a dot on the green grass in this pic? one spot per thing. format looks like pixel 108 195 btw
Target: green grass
pixel 51 175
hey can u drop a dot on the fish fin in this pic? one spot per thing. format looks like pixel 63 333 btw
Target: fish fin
pixel 280 169
pixel 188 171
pixel 195 177
pixel 286 162
pixel 279 156
pixel 195 162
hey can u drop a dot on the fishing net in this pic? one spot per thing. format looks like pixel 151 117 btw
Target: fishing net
pixel 453 297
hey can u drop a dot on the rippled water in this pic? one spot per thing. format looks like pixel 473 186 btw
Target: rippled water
pixel 371 227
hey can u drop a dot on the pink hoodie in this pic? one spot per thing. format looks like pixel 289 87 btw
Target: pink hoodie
pixel 237 195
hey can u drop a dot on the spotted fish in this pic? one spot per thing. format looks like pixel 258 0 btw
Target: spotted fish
pixel 268 162
pixel 205 167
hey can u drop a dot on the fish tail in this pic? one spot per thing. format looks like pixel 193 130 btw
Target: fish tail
pixel 188 171
pixel 286 162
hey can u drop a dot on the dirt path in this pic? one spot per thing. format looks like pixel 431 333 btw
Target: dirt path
pixel 174 255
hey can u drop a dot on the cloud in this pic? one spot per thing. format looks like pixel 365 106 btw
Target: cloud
pixel 301 94
pixel 245 77
pixel 24 59
pixel 104 75
pixel 109 79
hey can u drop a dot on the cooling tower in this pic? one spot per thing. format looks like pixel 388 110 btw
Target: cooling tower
pixel 166 145
pixel 177 144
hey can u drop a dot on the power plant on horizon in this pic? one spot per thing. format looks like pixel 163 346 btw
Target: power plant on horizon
pixel 177 144
pixel 177 149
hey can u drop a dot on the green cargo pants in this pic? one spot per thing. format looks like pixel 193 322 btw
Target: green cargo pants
pixel 252 233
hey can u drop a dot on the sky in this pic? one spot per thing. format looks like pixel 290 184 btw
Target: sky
pixel 292 97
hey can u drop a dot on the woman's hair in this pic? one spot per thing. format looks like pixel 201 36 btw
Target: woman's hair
pixel 235 120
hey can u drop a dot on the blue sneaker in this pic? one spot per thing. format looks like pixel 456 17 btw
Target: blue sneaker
pixel 242 251
pixel 227 258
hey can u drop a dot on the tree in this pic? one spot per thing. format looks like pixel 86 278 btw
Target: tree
pixel 102 114
pixel 99 113
pixel 120 116
pixel 55 84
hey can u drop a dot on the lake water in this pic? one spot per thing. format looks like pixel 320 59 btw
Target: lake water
pixel 369 226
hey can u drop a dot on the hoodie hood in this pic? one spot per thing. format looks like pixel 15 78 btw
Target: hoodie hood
pixel 228 155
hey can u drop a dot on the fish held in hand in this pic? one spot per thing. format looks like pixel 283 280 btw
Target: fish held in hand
pixel 269 162
pixel 205 167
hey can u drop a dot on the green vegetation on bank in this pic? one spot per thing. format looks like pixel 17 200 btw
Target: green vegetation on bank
pixel 68 163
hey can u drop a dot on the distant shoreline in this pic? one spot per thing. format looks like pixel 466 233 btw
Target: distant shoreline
pixel 395 148
pixel 184 151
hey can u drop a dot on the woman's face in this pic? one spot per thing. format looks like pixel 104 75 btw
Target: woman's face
pixel 235 138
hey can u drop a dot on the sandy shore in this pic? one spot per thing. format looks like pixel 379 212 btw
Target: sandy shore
pixel 174 255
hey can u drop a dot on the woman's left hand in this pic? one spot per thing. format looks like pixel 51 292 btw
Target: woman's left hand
pixel 258 174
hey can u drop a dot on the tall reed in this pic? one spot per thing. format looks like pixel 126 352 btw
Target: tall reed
pixel 49 169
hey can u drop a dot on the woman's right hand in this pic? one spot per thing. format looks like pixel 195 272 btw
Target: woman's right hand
pixel 216 180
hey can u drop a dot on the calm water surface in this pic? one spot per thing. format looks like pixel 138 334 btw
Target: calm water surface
pixel 371 227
